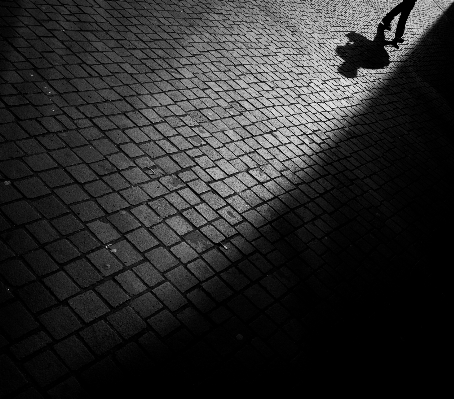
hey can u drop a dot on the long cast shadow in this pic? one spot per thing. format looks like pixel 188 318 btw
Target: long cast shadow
pixel 361 52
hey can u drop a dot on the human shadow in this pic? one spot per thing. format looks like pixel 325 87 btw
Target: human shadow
pixel 361 52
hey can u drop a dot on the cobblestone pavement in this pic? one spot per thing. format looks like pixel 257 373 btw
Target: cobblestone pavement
pixel 222 194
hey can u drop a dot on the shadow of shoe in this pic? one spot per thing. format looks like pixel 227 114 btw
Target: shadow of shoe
pixel 361 52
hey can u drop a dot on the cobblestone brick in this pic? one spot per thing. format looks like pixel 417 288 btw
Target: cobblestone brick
pixel 142 240
pixel 184 252
pixel 105 262
pixel 83 273
pixel 88 306
pixel 32 187
pixel 194 321
pixel 36 297
pixel 217 289
pixel 126 322
pixel 30 345
pixel 103 231
pixel 20 212
pixel 112 203
pixel 148 274
pixel 170 296
pixel 146 304
pixel 61 285
pixel 40 162
pixel 146 215
pixel 163 322
pixel 16 320
pixel 161 259
pixel 112 293
pixel 56 178
pixel 84 241
pixel 16 273
pixel 100 338
pixel 40 262
pixel 71 194
pixel 62 251
pixel 73 352
pixel 45 368
pixel 129 281
pixel 60 322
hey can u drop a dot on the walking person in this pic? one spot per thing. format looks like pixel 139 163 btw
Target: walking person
pixel 404 10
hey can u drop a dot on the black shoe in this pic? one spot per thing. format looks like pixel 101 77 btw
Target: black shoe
pixel 386 25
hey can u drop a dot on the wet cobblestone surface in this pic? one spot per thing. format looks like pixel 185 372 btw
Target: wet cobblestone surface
pixel 222 195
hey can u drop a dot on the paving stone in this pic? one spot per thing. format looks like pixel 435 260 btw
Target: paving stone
pixel 123 221
pixel 61 285
pixel 84 241
pixel 146 305
pixel 65 157
pixel 161 259
pixel 40 162
pixel 148 274
pixel 164 234
pixel 83 273
pixel 16 320
pixel 60 322
pixel 20 212
pixel 103 231
pixel 142 240
pixel 162 208
pixel 88 306
pixel 16 273
pixel 8 193
pixel 73 353
pixel 56 178
pixel 97 188
pixel 126 322
pixel 105 262
pixel 217 289
pixel 126 253
pixel 135 195
pixel 19 241
pixel 62 251
pixel 129 281
pixel 68 385
pixel 30 345
pixel 71 194
pixel 45 368
pixel 40 262
pixel 67 224
pixel 146 215
pixel 194 321
pixel 164 323
pixel 195 217
pixel 170 296
pixel 112 203
pixel 100 337
pixel 36 297
pixel 216 260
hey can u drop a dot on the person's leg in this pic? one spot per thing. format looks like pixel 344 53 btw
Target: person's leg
pixel 387 19
pixel 405 13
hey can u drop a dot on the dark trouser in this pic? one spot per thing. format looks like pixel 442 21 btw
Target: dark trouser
pixel 404 10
